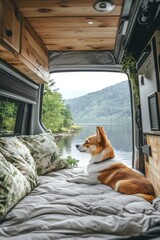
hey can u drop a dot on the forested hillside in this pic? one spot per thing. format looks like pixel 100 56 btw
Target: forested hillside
pixel 111 104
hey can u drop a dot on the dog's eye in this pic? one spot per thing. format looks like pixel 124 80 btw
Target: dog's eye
pixel 85 143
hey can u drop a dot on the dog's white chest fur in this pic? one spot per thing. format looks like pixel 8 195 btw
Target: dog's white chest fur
pixel 93 171
pixel 96 167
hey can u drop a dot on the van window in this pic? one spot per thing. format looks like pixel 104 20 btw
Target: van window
pixel 93 98
pixel 8 115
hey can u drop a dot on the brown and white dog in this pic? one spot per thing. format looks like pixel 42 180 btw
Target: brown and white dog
pixel 104 168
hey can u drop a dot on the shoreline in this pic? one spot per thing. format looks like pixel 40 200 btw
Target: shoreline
pixel 58 135
pixel 65 134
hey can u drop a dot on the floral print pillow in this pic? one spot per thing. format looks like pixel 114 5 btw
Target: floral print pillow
pixel 19 155
pixel 44 151
pixel 13 186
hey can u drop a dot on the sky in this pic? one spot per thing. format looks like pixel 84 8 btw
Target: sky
pixel 76 84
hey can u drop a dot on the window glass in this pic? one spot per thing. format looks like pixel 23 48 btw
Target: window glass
pixel 8 115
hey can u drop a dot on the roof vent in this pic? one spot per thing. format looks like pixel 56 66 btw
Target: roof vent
pixel 104 5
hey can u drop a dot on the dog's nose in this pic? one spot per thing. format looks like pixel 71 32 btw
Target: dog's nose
pixel 77 146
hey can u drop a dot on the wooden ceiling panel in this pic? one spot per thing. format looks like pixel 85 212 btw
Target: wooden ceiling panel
pixel 82 43
pixel 74 32
pixel 65 12
pixel 41 8
pixel 70 24
pixel 74 22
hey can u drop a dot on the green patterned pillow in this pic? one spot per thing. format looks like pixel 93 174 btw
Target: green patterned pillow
pixel 13 186
pixel 19 155
pixel 44 151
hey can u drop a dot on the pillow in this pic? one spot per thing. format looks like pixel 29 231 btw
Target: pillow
pixel 13 186
pixel 44 151
pixel 19 155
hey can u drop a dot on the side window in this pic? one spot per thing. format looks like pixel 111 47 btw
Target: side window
pixel 8 115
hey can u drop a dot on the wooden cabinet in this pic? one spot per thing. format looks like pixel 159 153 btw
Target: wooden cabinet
pixel 152 163
pixel 33 52
pixel 9 24
pixel 20 46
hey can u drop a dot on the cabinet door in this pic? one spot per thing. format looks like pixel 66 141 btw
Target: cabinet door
pixel 34 51
pixel 152 163
pixel 11 26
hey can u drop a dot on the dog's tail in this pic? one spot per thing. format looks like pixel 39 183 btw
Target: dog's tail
pixel 147 197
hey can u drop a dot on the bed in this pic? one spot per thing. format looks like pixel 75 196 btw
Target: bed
pixel 58 209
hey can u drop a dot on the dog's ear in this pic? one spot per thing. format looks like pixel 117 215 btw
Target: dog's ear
pixel 98 135
pixel 104 142
pixel 101 135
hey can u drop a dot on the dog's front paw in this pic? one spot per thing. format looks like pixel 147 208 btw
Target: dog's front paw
pixel 73 179
pixel 70 179
pixel 78 179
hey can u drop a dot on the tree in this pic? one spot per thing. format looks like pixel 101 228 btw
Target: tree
pixel 55 115
pixel 8 113
pixel 68 120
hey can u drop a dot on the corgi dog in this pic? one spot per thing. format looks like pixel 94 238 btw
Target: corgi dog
pixel 104 168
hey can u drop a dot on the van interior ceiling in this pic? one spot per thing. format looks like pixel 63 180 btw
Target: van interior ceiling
pixel 38 38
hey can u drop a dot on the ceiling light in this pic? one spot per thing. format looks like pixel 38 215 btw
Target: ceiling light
pixel 104 5
pixel 90 22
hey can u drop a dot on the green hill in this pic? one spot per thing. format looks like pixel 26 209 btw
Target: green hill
pixel 111 104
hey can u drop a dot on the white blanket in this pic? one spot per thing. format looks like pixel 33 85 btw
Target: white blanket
pixel 57 209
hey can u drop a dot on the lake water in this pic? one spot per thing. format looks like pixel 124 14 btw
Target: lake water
pixel 120 136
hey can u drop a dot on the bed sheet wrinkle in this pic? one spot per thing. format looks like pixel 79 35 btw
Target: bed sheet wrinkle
pixel 105 225
pixel 156 203
pixel 140 207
